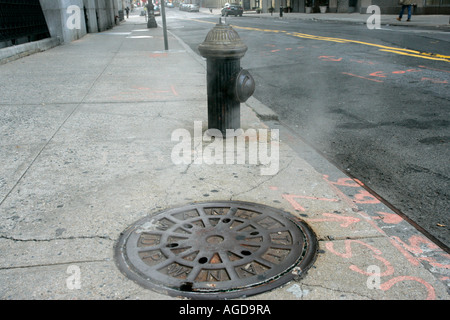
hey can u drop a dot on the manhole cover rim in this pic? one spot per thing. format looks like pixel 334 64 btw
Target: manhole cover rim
pixel 296 269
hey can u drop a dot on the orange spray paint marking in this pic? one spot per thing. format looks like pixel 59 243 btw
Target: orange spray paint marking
pixel 388 284
pixel 354 75
pixel 414 244
pixel 330 58
pixel 365 197
pixel 396 244
pixel 141 88
pixel 434 80
pixel 380 74
pixel 344 198
pixel 346 220
pixel 405 71
pixel 433 69
pixel 349 253
pixel 345 182
pixel 415 248
pixel 297 206
pixel 369 219
pixel 175 93
pixel 433 262
pixel 348 248
pixel 388 272
pixel 390 269
pixel 157 55
pixel 390 218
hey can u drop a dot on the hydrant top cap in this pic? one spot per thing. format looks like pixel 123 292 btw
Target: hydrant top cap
pixel 222 42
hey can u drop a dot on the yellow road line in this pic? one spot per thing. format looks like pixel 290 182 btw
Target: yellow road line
pixel 400 51
pixel 422 55
pixel 408 52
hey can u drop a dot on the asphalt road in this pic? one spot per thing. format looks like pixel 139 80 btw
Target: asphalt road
pixel 379 112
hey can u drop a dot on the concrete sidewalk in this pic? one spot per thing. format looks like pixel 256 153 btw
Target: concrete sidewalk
pixel 85 147
pixel 435 21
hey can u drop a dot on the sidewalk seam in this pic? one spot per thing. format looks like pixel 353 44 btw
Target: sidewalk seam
pixel 60 126
pixel 54 264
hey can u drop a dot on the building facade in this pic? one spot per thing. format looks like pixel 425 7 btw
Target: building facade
pixel 69 20
pixel 336 6
pixel 42 24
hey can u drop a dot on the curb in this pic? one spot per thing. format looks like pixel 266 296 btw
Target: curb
pixel 263 112
pixel 9 54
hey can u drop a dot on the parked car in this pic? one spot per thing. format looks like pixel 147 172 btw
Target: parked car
pixel 169 5
pixel 157 10
pixel 189 7
pixel 193 8
pixel 232 9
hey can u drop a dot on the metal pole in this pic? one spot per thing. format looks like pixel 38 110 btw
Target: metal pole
pixel 163 15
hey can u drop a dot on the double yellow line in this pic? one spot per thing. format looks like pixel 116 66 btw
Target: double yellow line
pixel 400 51
pixel 406 52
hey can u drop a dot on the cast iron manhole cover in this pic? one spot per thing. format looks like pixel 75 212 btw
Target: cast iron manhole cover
pixel 216 250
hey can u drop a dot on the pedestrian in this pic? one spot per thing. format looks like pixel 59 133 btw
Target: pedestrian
pixel 128 11
pixel 405 4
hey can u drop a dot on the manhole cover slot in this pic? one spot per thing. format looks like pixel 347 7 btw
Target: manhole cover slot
pixel 216 250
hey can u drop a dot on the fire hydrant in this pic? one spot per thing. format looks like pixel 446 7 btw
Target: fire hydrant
pixel 228 85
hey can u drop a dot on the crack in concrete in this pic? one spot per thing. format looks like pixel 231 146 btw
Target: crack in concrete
pixel 56 239
pixel 327 238
pixel 55 264
pixel 338 290
pixel 263 182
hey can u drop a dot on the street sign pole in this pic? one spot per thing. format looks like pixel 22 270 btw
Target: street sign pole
pixel 163 15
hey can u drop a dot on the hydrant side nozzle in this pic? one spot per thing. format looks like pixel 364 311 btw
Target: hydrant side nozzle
pixel 244 86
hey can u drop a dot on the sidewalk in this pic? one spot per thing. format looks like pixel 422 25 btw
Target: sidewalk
pixel 439 21
pixel 86 152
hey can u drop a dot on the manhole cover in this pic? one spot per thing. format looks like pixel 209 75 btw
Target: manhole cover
pixel 216 250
